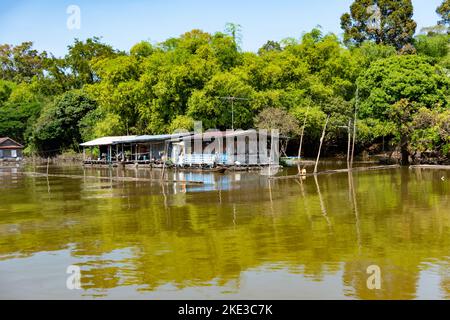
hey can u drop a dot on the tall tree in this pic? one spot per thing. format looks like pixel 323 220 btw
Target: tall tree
pixel 235 31
pixel 444 12
pixel 382 21
pixel 57 128
pixel 393 89
pixel 269 46
pixel 20 63
pixel 81 57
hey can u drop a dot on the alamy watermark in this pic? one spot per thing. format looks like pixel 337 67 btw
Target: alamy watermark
pixel 374 280
pixel 374 21
pixel 73 21
pixel 74 280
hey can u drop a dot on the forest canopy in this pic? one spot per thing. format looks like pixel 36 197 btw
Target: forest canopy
pixel 397 81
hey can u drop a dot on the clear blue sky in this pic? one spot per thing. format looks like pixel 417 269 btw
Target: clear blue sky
pixel 123 23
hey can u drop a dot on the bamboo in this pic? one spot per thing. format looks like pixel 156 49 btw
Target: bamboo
pixel 321 142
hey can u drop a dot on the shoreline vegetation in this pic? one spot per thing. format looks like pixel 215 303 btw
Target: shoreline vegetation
pixel 388 93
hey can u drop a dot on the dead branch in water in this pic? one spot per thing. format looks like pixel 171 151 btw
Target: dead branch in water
pixel 430 166
pixel 296 176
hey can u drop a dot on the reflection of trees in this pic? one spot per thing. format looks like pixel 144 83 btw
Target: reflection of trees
pixel 192 239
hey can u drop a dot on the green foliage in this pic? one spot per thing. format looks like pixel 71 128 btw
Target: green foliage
pixel 82 55
pixel 431 131
pixel 142 49
pixel 181 123
pixel 401 77
pixel 20 63
pixel 315 119
pixel 6 87
pixel 211 106
pixel 394 89
pixel 57 128
pixel 279 119
pixel 20 108
pixel 444 12
pixel 382 21
pixel 269 46
pixel 54 103
pixel 436 46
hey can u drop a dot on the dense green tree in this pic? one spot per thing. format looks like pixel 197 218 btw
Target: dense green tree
pixel 6 87
pixel 19 109
pixel 181 122
pixel 436 46
pixel 21 62
pixel 278 119
pixel 430 132
pixel 57 128
pixel 382 21
pixel 167 86
pixel 394 89
pixel 212 104
pixel 142 49
pixel 81 56
pixel 269 46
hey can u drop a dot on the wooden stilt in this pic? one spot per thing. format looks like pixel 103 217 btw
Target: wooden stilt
pixel 321 142
pixel 354 130
pixel 349 142
pixel 301 139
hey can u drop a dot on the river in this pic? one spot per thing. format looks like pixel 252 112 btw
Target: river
pixel 237 236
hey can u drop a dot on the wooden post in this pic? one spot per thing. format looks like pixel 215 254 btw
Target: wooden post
pixel 301 136
pixel 164 161
pixel 321 141
pixel 349 143
pixel 354 129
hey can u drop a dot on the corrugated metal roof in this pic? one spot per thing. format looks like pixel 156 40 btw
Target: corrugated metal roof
pixel 162 137
pixel 131 139
pixel 106 141
pixel 159 137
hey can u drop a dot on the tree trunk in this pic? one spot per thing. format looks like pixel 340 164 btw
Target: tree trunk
pixel 404 150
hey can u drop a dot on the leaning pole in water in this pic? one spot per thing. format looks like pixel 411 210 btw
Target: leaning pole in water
pixel 354 128
pixel 321 141
pixel 301 139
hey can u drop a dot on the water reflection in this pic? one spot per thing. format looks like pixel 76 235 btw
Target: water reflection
pixel 238 235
